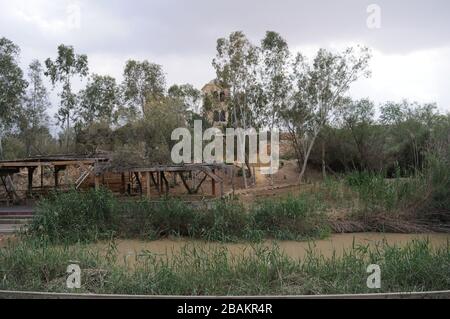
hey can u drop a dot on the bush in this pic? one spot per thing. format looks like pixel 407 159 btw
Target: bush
pixel 436 202
pixel 292 218
pixel 226 221
pixel 378 194
pixel 152 220
pixel 75 216
pixel 94 215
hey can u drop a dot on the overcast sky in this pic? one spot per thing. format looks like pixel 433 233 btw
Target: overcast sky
pixel 411 47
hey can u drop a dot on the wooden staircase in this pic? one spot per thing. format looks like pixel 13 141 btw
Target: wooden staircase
pixel 13 218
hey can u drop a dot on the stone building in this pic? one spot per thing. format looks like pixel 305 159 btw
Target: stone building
pixel 215 103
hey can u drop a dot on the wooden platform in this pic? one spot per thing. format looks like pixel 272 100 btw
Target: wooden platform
pixel 100 171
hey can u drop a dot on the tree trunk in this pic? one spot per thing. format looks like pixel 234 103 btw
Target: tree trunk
pixel 305 160
pixel 67 133
pixel 1 146
pixel 324 166
pixel 244 175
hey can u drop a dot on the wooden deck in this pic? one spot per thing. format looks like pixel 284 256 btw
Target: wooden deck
pixel 99 171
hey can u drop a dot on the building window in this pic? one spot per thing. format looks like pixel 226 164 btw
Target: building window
pixel 216 116
pixel 223 116
pixel 222 96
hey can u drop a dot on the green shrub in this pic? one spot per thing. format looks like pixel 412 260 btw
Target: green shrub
pixel 75 216
pixel 292 218
pixel 377 194
pixel 152 220
pixel 225 221
pixel 93 215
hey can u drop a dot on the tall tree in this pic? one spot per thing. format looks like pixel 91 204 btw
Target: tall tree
pixel 12 86
pixel 275 84
pixel 319 90
pixel 66 66
pixel 358 118
pixel 34 119
pixel 99 101
pixel 274 77
pixel 236 65
pixel 189 96
pixel 408 127
pixel 143 81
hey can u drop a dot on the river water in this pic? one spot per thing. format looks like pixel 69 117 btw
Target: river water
pixel 336 243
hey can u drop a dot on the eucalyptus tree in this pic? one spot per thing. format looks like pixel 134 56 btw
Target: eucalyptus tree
pixel 143 81
pixel 188 94
pixel 62 70
pixel 100 100
pixel 34 117
pixel 12 86
pixel 358 117
pixel 236 64
pixel 275 79
pixel 275 82
pixel 319 89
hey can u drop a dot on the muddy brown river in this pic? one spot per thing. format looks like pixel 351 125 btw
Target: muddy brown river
pixel 335 243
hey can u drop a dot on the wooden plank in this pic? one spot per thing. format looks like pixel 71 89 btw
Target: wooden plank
pixel 200 184
pixel 53 163
pixel 166 182
pixel 153 180
pixel 185 183
pixel 216 179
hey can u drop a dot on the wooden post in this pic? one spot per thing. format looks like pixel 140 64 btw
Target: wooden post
pixel 213 185
pixel 30 179
pixel 160 182
pixel 123 186
pixel 97 182
pixel 148 177
pixel 166 182
pixel 56 177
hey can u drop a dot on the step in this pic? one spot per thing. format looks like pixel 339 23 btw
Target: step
pixel 14 221
pixel 14 213
pixel 9 229
pixel 2 217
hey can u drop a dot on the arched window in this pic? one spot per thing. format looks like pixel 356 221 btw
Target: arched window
pixel 223 116
pixel 222 96
pixel 216 116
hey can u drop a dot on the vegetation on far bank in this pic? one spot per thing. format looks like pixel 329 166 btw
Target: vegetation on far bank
pixel 367 199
